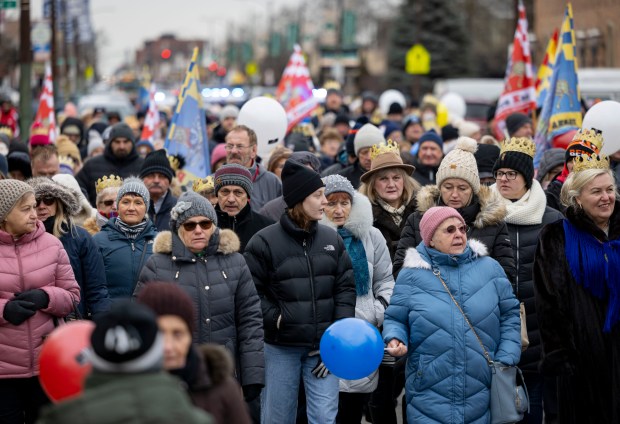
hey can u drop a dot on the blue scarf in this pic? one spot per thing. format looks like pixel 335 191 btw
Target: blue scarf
pixel 355 249
pixel 595 265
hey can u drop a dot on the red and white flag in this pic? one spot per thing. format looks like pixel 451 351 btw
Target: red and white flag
pixel 519 91
pixel 45 113
pixel 295 89
pixel 151 121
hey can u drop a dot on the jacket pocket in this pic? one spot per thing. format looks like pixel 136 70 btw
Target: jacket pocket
pixel 421 380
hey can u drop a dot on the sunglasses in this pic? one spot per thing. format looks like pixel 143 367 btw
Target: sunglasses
pixel 108 203
pixel 452 229
pixel 48 201
pixel 191 226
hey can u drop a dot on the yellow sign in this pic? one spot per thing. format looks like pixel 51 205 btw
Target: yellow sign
pixel 251 68
pixel 89 72
pixel 418 60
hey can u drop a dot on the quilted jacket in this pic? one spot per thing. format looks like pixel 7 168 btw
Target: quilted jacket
pixel 36 260
pixel 447 375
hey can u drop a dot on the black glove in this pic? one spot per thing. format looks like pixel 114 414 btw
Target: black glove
pixel 320 371
pixel 37 296
pixel 251 392
pixel 18 311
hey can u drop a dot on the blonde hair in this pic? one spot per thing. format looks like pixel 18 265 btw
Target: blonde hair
pixel 410 186
pixel 575 183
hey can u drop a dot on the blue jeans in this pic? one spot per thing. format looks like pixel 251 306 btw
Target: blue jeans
pixel 284 366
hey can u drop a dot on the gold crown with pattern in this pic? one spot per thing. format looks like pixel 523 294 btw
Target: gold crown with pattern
pixel 519 144
pixel 108 181
pixel 205 184
pixel 66 160
pixel 379 149
pixel 589 136
pixel 174 163
pixel 594 161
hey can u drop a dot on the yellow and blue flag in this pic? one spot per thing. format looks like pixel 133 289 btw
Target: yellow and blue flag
pixel 546 70
pixel 561 111
pixel 188 132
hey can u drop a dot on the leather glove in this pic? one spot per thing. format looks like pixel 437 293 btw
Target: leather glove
pixel 320 371
pixel 38 297
pixel 251 392
pixel 17 311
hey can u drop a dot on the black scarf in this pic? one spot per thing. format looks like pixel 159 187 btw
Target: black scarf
pixel 469 212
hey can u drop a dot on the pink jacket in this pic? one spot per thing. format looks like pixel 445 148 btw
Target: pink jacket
pixel 37 260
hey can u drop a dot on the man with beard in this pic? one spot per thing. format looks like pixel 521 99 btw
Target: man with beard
pixel 157 175
pixel 241 148
pixel 119 158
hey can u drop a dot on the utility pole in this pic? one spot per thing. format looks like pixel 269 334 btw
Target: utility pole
pixel 25 61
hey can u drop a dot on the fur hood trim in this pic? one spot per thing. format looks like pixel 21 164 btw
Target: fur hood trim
pixel 90 225
pixel 413 259
pixel 492 207
pixel 218 362
pixel 229 242
pixel 360 219
pixel 46 187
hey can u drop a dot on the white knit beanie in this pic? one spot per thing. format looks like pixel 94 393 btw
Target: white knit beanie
pixel 366 137
pixel 461 163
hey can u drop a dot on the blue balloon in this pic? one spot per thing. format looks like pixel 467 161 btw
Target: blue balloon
pixel 351 348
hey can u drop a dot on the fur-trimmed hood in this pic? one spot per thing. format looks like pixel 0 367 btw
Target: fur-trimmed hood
pixel 492 207
pixel 45 187
pixel 218 362
pixel 360 219
pixel 414 259
pixel 228 242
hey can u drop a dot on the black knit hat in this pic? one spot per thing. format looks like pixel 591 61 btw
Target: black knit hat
pixel 520 162
pixel 168 299
pixel 157 161
pixel 395 108
pixel 515 121
pixel 486 156
pixel 448 132
pixel 298 182
pixel 121 130
pixel 126 340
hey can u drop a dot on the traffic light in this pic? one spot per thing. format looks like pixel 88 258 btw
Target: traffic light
pixel 166 53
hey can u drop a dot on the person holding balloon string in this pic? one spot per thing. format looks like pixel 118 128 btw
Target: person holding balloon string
pixel 448 376
pixel 350 214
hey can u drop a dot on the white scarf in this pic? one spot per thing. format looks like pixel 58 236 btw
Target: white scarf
pixel 529 209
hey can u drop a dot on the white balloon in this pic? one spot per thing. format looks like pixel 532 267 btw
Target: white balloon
pixel 268 119
pixel 455 103
pixel 605 116
pixel 391 96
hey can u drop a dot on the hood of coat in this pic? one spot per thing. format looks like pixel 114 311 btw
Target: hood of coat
pixel 421 257
pixel 218 362
pixel 45 187
pixel 228 242
pixel 492 207
pixel 360 219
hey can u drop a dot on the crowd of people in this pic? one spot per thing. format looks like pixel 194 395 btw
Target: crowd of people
pixel 210 299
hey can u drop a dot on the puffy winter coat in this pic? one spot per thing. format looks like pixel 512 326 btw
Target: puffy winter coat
pixel 370 307
pixel 447 376
pixel 303 277
pixel 87 264
pixel 221 288
pixel 391 232
pixel 107 164
pixel 161 219
pixel 245 224
pixel 488 227
pixel 123 258
pixel 265 187
pixel 36 260
pixel 525 219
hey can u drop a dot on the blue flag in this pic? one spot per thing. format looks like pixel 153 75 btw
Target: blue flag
pixel 561 111
pixel 188 131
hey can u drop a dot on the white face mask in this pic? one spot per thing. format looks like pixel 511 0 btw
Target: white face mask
pixel 428 116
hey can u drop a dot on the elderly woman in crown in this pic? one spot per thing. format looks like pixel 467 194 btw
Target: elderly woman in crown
pixel 577 287
pixel 107 189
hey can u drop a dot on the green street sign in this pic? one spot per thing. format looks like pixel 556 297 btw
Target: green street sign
pixel 8 4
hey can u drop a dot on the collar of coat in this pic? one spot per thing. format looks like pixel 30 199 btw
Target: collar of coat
pixel 360 219
pixel 414 259
pixel 492 208
pixel 228 242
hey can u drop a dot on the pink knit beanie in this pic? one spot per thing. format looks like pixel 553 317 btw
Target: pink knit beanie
pixel 433 218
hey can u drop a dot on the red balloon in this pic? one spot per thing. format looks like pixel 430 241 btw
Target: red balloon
pixel 61 364
pixel 563 140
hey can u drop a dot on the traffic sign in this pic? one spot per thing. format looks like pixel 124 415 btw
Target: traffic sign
pixel 418 60
pixel 8 4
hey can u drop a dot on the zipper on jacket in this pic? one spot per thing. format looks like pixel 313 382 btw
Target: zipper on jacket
pixel 133 247
pixel 517 266
pixel 316 330
pixel 23 288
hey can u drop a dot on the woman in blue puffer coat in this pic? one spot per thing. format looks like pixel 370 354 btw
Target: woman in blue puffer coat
pixel 448 377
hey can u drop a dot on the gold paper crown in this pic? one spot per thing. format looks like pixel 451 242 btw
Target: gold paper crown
pixel 66 160
pixel 519 144
pixel 105 182
pixel 205 184
pixel 39 131
pixel 592 136
pixel 594 161
pixel 174 163
pixel 7 131
pixel 380 149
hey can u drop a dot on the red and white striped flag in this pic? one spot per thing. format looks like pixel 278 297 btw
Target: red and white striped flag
pixel 45 113
pixel 519 91
pixel 295 89
pixel 151 121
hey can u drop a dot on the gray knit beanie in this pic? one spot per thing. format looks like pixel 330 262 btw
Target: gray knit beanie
pixel 189 205
pixel 10 193
pixel 134 185
pixel 338 184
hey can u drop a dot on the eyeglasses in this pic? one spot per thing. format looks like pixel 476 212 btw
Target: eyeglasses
pixel 108 203
pixel 229 147
pixel 226 192
pixel 510 175
pixel 191 226
pixel 452 229
pixel 48 201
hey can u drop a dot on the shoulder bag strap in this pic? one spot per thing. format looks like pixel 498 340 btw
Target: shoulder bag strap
pixel 486 354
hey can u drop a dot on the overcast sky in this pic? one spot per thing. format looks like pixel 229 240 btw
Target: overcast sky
pixel 126 24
